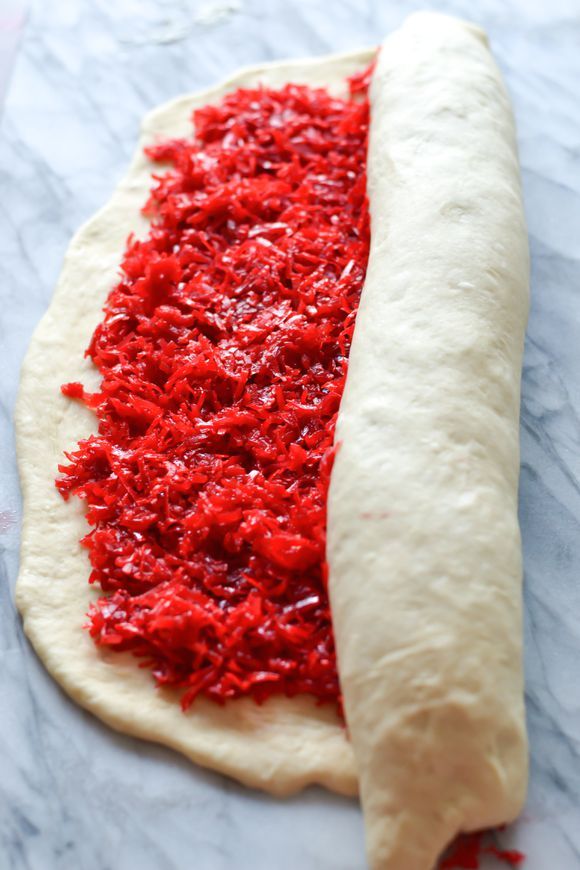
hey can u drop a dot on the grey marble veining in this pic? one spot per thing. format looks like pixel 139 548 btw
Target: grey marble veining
pixel 76 796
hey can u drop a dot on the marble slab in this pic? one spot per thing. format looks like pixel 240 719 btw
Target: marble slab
pixel 76 796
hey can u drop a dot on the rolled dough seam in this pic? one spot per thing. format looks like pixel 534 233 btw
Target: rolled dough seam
pixel 423 540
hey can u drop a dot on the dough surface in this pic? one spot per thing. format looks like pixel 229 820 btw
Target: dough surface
pixel 281 746
pixel 424 550
pixel 424 546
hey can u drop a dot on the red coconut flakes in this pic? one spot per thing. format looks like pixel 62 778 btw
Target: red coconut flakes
pixel 223 355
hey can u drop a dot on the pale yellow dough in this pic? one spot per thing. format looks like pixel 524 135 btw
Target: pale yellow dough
pixel 424 546
pixel 424 549
pixel 284 744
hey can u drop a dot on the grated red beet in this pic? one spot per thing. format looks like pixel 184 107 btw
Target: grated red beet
pixel 223 354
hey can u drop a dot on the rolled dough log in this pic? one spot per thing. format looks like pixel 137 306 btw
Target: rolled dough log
pixel 424 546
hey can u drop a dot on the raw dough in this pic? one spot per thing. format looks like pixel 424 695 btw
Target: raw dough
pixel 423 539
pixel 284 744
pixel 424 546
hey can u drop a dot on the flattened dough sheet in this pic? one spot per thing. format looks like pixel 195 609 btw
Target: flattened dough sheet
pixel 281 746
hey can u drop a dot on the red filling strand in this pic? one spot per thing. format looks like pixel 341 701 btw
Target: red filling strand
pixel 223 355
pixel 468 850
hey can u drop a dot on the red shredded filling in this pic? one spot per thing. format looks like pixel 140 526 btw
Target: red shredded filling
pixel 223 355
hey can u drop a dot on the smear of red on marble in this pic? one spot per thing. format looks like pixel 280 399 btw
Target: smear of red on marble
pixel 468 850
pixel 223 355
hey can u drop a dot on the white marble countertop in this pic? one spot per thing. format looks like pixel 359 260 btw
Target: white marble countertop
pixel 76 796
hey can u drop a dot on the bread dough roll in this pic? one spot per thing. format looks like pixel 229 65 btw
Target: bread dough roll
pixel 424 547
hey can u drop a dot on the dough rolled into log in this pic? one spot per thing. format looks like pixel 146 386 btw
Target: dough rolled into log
pixel 424 546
